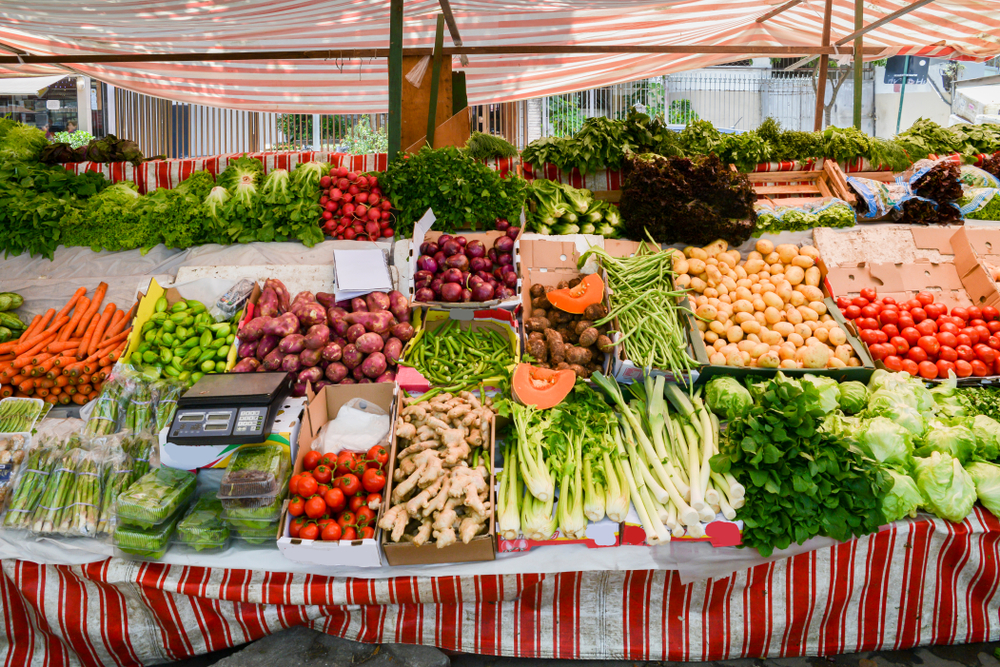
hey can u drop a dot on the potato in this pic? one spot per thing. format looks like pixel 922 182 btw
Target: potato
pixel 717 246
pixel 717 327
pixel 793 315
pixel 814 325
pixel 767 286
pixel 758 303
pixel 682 281
pixel 816 356
pixel 714 275
pixel 764 247
pixel 768 360
pixel 789 363
pixel 721 288
pixel 809 292
pixel 772 315
pixel 787 252
pixel 710 337
pixel 697 253
pixel 728 259
pixel 741 272
pixel 784 291
pixel 696 266
pixel 772 300
pixel 813 276
pixel 825 318
pixel 837 336
pixel 701 324
pixel 843 352
pixel 746 358
pixel 803 261
pixel 795 339
pixel 822 335
pixel 719 344
pixel 787 351
pixel 755 288
pixel 734 359
pixel 770 337
pixel 734 334
pixel 803 330
pixel 818 306
pixel 698 285
pixel 853 361
pixel 680 265
pixel 750 326
pixel 729 284
pixel 753 338
pixel 758 350
pixel 744 305
pixel 836 363
pixel 784 329
pixel 712 261
pixel 711 292
pixel 746 345
pixel 717 359
pixel 675 254
pixel 759 316
pixel 687 250
pixel 753 266
pixel 725 298
pixel 812 340
pixel 808 313
pixel 797 299
pixel 795 274
pixel 740 318
pixel 753 254
pixel 809 251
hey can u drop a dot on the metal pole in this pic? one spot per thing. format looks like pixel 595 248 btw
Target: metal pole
pixel 435 80
pixel 859 22
pixel 395 77
pixel 902 92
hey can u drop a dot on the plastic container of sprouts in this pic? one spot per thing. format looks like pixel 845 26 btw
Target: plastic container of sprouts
pixel 155 497
pixel 256 471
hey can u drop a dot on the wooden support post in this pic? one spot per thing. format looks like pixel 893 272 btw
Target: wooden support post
pixel 824 64
pixel 859 62
pixel 395 76
pixel 435 80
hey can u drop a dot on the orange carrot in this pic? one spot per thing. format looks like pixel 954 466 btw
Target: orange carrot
pixel 35 344
pixel 40 357
pixel 27 385
pixel 52 398
pixel 64 361
pixel 46 365
pixel 81 352
pixel 120 325
pixel 80 399
pixel 6 391
pixel 41 393
pixel 72 302
pixel 46 318
pixel 81 307
pixel 7 357
pixel 46 384
pixel 33 327
pixel 102 325
pixel 114 340
pixel 83 379
pixel 64 399
pixel 10 346
pixel 86 389
pixel 57 325
pixel 62 346
pixel 18 379
pixel 61 381
pixel 99 293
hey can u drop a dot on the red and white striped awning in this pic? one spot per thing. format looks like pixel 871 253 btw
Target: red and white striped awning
pixel 958 29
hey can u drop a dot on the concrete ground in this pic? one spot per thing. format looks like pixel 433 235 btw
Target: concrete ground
pixel 301 647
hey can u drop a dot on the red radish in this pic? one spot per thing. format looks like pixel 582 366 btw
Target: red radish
pixel 330 206
pixel 387 232
pixel 384 224
pixel 362 182
pixel 327 215
pixel 372 229
pixel 352 177
pixel 323 200
pixel 362 198
pixel 373 182
pixel 336 194
pixel 374 200
pixel 361 210
pixel 353 189
pixel 349 234
pixel 345 221
pixel 374 215
pixel 347 198
pixel 324 182
pixel 386 205
pixel 343 184
pixel 386 215
pixel 348 209
pixel 341 172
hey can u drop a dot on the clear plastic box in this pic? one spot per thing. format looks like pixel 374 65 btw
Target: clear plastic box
pixel 267 508
pixel 18 415
pixel 203 526
pixel 144 542
pixel 155 497
pixel 256 471
pixel 261 535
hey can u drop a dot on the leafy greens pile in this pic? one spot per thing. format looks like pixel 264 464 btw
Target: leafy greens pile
pixel 556 208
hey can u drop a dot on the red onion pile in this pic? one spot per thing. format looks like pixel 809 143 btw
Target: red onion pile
pixel 454 269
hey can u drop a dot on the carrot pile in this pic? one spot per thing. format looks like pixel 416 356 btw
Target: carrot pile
pixel 65 356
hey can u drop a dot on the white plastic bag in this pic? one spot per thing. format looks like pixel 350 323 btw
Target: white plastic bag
pixel 359 425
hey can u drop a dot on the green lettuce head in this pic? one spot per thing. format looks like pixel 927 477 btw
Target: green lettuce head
pixel 893 406
pixel 987 432
pixel 823 392
pixel 886 441
pixel 853 397
pixel 955 440
pixel 728 398
pixel 948 490
pixel 903 499
pixel 986 476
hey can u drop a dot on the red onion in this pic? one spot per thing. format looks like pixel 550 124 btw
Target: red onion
pixel 428 248
pixel 451 248
pixel 426 263
pixel 460 262
pixel 451 292
pixel 424 295
pixel 452 276
pixel 475 249
pixel 502 224
pixel 461 240
pixel 512 233
pixel 482 292
pixel 466 295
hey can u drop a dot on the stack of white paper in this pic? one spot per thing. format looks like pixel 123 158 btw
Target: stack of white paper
pixel 358 272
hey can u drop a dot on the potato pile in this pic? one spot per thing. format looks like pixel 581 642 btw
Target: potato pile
pixel 561 340
pixel 766 311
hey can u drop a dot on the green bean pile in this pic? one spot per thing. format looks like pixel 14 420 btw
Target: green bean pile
pixel 454 359
pixel 645 303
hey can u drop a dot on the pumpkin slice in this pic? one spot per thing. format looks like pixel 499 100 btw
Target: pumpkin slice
pixel 541 387
pixel 576 299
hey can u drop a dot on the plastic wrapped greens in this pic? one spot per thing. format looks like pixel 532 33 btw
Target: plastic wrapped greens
pixel 30 485
pixel 259 535
pixel 167 393
pixel 255 471
pixel 142 448
pixel 155 497
pixel 253 512
pixel 139 410
pixel 108 408
pixel 202 527
pixel 58 493
pixel 80 511
pixel 18 415
pixel 150 542
pixel 12 453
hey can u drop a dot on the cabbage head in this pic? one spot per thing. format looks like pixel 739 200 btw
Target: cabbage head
pixel 728 398
pixel 903 498
pixel 886 441
pixel 987 432
pixel 853 397
pixel 892 405
pixel 955 440
pixel 987 479
pixel 907 389
pixel 822 392
pixel 948 490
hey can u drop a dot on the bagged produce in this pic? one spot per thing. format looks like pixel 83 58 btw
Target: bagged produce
pixel 203 526
pixel 155 497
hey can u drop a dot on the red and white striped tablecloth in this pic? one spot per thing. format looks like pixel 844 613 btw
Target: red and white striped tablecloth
pixel 917 582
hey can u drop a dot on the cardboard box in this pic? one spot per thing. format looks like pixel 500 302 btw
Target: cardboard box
pixel 718 533
pixel 284 432
pixel 549 262
pixel 480 548
pixel 604 533
pixel 974 247
pixel 502 321
pixel 422 233
pixel 321 409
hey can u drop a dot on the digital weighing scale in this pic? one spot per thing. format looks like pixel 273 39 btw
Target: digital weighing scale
pixel 229 409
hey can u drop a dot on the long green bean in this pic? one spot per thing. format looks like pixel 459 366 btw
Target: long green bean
pixel 460 359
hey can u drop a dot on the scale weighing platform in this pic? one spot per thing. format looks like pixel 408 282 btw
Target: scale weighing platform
pixel 229 409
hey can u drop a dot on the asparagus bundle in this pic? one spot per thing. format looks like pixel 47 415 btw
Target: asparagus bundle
pixel 140 448
pixel 107 411
pixel 30 485
pixel 167 393
pixel 59 490
pixel 79 514
pixel 139 413
pixel 119 473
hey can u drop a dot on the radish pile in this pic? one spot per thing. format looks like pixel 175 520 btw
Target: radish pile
pixel 354 208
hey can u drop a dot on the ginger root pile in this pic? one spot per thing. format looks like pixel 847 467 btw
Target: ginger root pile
pixel 441 491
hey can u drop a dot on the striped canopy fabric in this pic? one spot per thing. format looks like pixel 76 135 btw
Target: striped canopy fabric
pixel 957 29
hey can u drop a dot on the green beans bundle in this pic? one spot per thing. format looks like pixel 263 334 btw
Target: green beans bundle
pixel 454 359
pixel 18 414
pixel 645 303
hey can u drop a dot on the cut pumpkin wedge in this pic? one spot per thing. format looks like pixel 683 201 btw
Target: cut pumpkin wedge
pixel 576 299
pixel 541 387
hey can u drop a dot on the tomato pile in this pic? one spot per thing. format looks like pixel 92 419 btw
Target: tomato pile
pixel 336 497
pixel 922 338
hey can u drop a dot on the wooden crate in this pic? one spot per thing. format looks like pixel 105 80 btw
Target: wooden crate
pixel 794 188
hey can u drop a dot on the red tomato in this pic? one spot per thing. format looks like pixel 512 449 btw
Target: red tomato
pixel 930 345
pixel 925 298
pixel 993 342
pixel 296 525
pixel 859 301
pixel 880 336
pixel 927 327
pixel 346 519
pixel 297 506
pixel 373 501
pixel 315 507
pixel 990 313
pixel 947 353
pixel 972 334
pixel 321 489
pixel 911 335
pixel 852 312
pixel 349 484
pixel 869 294
pixel 975 313
pixel 293 485
pixel 868 336
pixel 979 369
pixel 312 460
pixel 888 316
pixel 963 339
pixel 965 352
pixel 349 534
pixel 993 326
pixel 947 327
pixel 945 338
pixel 867 323
pixel 332 532
pixel 963 369
pixel 985 353
pixel 905 320
pixel 918 315
pixel 335 500
pixel 888 300
pixel 893 363
pixel 944 367
pixel 310 531
pixel 983 333
pixel 366 517
pixel 900 344
pixel 911 304
pixel 917 354
pixel 324 522
pixel 367 533
pixel 330 460
pixel 378 454
pixel 344 460
pixel 321 472
pixel 927 370
pixel 356 502
pixel 960 313
pixel 976 323
pixel 374 480
pixel 890 330
pixel 843 302
pixel 307 486
pixel 357 467
pixel 910 366
pixel 880 351
pixel 936 310
pixel 869 311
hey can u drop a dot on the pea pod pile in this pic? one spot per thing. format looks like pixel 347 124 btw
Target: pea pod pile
pixel 454 359
pixel 183 341
pixel 17 415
